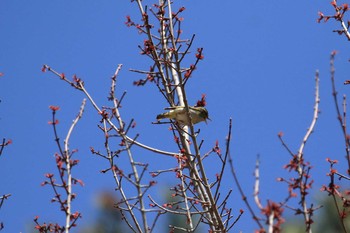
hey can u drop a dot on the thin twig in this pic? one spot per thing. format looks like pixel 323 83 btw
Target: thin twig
pixel 240 189
pixel 257 182
pixel 68 167
pixel 342 121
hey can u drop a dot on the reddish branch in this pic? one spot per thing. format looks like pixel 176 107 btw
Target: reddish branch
pixel 62 188
pixel 333 189
pixel 4 144
pixel 302 182
pixel 5 196
pixel 272 212
pixel 340 11
pixel 341 115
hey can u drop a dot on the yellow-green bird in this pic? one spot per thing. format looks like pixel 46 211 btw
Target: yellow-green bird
pixel 178 114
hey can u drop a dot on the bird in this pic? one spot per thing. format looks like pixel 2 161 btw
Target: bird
pixel 178 113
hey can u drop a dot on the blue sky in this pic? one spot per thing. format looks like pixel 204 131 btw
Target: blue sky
pixel 259 67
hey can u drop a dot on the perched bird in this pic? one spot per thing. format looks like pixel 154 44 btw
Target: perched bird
pixel 178 114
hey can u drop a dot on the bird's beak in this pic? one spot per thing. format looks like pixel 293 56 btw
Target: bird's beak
pixel 206 120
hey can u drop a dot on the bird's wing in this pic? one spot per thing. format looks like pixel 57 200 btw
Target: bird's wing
pixel 195 109
pixel 174 108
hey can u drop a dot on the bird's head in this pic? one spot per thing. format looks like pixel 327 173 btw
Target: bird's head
pixel 203 112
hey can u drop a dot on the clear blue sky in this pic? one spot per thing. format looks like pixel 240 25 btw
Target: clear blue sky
pixel 259 66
